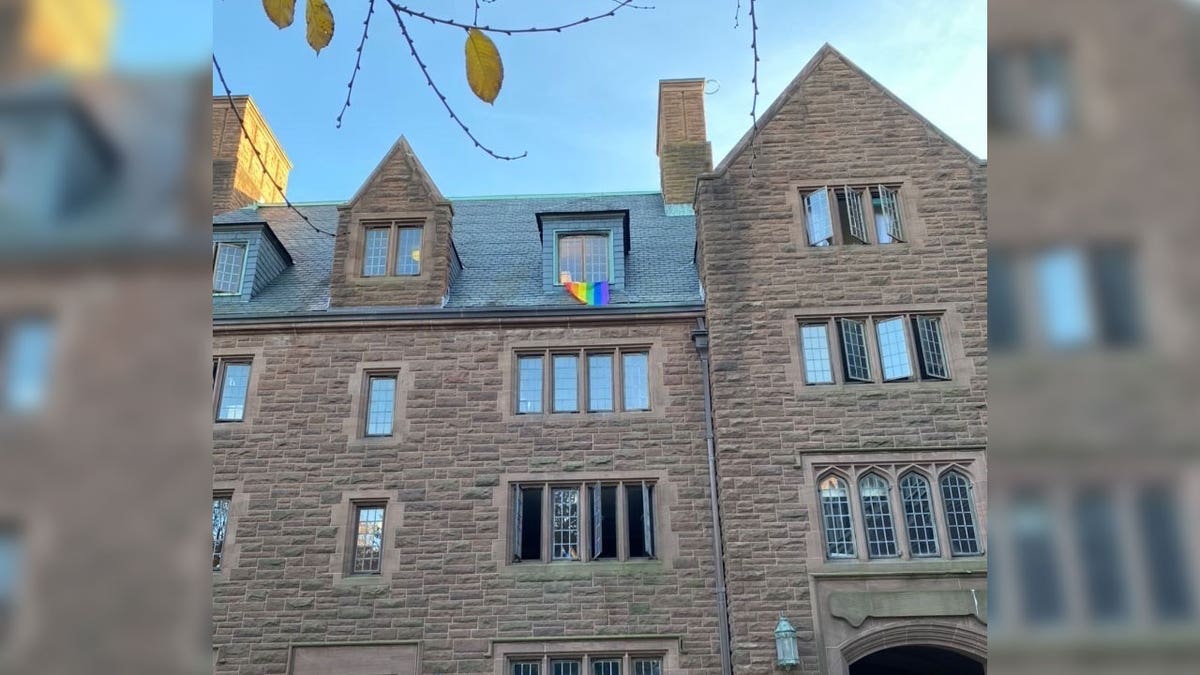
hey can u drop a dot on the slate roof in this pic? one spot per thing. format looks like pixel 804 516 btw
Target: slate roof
pixel 497 241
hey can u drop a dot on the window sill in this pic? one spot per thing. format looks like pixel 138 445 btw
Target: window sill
pixel 899 567
pixel 576 417
pixel 568 570
pixel 882 386
pixel 361 580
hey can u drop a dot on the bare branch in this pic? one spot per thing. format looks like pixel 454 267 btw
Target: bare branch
pixel 261 162
pixel 401 9
pixel 429 79
pixel 754 81
pixel 357 61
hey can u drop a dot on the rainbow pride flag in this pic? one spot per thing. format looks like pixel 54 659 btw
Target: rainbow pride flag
pixel 588 292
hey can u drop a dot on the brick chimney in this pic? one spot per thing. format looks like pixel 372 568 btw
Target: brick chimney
pixel 683 148
pixel 238 176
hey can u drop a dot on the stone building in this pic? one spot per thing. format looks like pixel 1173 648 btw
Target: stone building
pixel 430 458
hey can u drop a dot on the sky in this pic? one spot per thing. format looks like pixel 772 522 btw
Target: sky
pixel 582 102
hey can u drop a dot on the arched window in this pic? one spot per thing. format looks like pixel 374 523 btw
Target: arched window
pixel 877 517
pixel 958 504
pixel 835 515
pixel 918 515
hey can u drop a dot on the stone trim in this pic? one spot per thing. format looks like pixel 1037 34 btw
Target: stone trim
pixel 402 648
pixel 910 196
pixel 356 238
pixel 659 398
pixel 954 637
pixel 355 424
pixel 962 368
pixel 667 647
pixel 239 508
pixel 257 362
pixel 666 542
pixel 342 520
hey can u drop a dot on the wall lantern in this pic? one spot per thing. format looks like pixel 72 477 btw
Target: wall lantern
pixel 787 651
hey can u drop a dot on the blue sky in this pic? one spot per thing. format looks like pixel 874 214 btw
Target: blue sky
pixel 582 103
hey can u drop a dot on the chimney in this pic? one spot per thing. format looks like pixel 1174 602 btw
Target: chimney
pixel 683 148
pixel 239 178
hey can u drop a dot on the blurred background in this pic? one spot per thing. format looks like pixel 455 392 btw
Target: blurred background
pixel 1094 170
pixel 104 338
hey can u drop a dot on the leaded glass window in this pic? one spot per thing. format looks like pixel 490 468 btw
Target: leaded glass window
pixel 583 257
pixel 889 227
pixel 228 265
pixel 918 515
pixel 571 667
pixel 566 383
pixel 929 344
pixel 877 517
pixel 381 404
pixel 235 382
pixel 958 505
pixel 836 519
pixel 220 524
pixel 893 349
pixel 375 252
pixel 647 667
pixel 854 350
pixel 408 251
pixel 564 526
pixel 368 539
pixel 527 668
pixel 636 376
pixel 600 382
pixel 606 666
pixel 817 219
pixel 529 384
pixel 818 366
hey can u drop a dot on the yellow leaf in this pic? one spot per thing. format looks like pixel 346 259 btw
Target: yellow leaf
pixel 280 12
pixel 320 24
pixel 485 72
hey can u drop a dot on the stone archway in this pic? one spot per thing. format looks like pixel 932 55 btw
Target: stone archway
pixel 927 649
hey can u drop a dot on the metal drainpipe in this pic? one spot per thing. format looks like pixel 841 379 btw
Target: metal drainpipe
pixel 700 339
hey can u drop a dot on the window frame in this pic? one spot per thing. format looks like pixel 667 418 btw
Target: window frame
pixel 854 549
pixel 357 506
pixel 560 235
pixel 369 377
pixel 544 661
pixel 220 364
pixel 583 392
pixel 10 355
pixel 972 511
pixel 835 340
pixel 866 191
pixel 393 226
pixel 223 560
pixel 586 518
pixel 216 255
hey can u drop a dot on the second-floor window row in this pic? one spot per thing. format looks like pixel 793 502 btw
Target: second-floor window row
pixel 583 380
pixel 600 520
pixel 886 348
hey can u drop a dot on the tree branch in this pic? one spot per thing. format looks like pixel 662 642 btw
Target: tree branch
pixel 357 61
pixel 401 9
pixel 429 79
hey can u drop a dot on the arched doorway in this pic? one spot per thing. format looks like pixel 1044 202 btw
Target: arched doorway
pixel 916 660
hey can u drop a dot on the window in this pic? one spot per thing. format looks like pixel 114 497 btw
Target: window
pixel 367 555
pixel 601 520
pixel 220 525
pixel 231 381
pixel 12 554
pixel 588 664
pixel 229 262
pixel 835 516
pixel 1166 555
pixel 873 492
pixel 1099 543
pixel 380 257
pixel 958 504
pixel 900 341
pixel 600 387
pixel 843 215
pixel 858 501
pixel 1030 91
pixel 583 257
pixel 381 404
pixel 25 368
pixel 918 515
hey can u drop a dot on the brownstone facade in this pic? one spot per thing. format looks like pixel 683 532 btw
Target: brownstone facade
pixel 454 591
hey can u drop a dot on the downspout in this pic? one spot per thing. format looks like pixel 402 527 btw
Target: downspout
pixel 700 339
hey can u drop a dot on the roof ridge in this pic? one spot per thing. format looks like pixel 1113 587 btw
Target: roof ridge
pixel 550 195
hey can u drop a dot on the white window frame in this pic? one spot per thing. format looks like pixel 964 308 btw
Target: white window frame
pixel 218 246
pixel 861 225
pixel 606 235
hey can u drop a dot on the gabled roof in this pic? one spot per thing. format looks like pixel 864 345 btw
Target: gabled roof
pixel 400 151
pixel 825 52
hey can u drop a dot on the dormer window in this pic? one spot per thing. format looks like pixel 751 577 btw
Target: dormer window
pixel 229 265
pixel 583 257
pixel 392 248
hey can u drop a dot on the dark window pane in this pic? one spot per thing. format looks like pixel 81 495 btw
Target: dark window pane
pixel 368 540
pixel 1003 313
pixel 531 523
pixel 527 668
pixel 608 521
pixel 1039 574
pixel 1166 559
pixel 854 350
pixel 1113 274
pixel 640 508
pixel 931 351
pixel 1103 573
